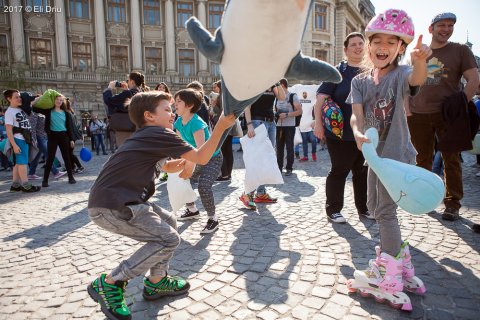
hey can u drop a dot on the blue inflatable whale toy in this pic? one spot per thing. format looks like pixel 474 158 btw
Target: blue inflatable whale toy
pixel 257 44
pixel 414 189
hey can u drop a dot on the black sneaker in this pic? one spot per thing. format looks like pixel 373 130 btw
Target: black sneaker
pixel 45 184
pixel 187 215
pixel 110 297
pixel 288 173
pixel 211 226
pixel 30 188
pixel 72 181
pixel 336 217
pixel 222 179
pixel 15 189
pixel 476 228
pixel 450 214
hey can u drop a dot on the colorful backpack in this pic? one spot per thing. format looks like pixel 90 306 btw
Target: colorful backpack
pixel 332 117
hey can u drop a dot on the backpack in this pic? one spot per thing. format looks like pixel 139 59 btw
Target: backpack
pixel 290 100
pixel 299 117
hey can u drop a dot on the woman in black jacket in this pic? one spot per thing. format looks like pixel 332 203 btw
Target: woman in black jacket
pixel 58 126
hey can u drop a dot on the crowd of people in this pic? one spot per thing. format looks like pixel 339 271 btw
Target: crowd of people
pixel 156 131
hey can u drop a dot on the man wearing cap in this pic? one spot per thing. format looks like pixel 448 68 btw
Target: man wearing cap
pixel 446 66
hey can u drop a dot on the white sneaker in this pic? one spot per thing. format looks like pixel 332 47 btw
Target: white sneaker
pixel 33 177
pixel 59 174
pixel 336 217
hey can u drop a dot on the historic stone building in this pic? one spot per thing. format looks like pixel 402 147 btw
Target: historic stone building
pixel 78 46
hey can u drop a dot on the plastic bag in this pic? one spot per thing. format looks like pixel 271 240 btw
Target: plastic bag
pixel 180 191
pixel 260 160
pixel 297 139
pixel 47 100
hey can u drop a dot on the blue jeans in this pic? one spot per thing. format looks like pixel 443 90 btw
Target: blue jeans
pixel 308 136
pixel 438 164
pixel 42 147
pixel 272 133
pixel 99 143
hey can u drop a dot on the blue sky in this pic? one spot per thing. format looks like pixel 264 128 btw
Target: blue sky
pixel 422 12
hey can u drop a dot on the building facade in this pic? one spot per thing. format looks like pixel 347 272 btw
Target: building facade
pixel 78 46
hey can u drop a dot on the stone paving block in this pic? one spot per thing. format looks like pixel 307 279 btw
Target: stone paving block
pixel 267 315
pixel 228 307
pixel 244 314
pixel 179 315
pixel 215 300
pixel 334 310
pixel 198 308
pixel 314 303
pixel 213 286
pixel 180 303
pixel 199 294
pixel 303 313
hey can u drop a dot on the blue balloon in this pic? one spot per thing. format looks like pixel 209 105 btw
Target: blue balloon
pixel 414 189
pixel 85 154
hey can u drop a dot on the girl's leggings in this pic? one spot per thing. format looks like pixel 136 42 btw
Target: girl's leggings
pixel 207 175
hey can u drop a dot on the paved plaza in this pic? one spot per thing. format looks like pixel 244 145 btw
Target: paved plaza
pixel 285 261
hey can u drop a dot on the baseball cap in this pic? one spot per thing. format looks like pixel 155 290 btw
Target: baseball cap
pixel 444 16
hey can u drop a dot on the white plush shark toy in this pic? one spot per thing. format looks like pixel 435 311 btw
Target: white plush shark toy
pixel 257 44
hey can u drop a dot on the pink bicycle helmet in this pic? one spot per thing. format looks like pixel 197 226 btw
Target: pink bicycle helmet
pixel 392 21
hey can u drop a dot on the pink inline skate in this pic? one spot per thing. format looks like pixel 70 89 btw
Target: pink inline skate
pixel 410 281
pixel 382 280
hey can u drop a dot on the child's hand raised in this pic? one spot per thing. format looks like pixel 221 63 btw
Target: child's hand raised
pixel 421 51
pixel 225 122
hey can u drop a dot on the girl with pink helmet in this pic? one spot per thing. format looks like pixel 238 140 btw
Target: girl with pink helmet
pixel 377 97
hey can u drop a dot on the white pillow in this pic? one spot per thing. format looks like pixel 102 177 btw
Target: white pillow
pixel 180 191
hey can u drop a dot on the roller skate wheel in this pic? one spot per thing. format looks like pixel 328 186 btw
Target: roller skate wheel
pixel 407 307
pixel 421 291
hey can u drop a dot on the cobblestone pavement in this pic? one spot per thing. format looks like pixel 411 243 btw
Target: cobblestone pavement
pixel 285 261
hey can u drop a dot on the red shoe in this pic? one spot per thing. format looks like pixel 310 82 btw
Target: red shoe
pixel 248 201
pixel 314 157
pixel 303 159
pixel 264 198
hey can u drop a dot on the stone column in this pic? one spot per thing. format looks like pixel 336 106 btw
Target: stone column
pixel 136 33
pixel 61 36
pixel 100 38
pixel 170 37
pixel 202 60
pixel 18 39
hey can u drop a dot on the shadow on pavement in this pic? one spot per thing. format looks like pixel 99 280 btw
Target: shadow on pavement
pixel 47 235
pixel 264 266
pixel 462 228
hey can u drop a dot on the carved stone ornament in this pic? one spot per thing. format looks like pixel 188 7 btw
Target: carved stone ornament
pixel 39 22
pixel 117 30
pixel 183 36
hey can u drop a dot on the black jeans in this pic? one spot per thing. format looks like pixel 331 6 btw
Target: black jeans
pixel 227 153
pixel 58 139
pixel 285 137
pixel 345 157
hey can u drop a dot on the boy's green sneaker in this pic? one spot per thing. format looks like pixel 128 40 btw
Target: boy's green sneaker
pixel 168 286
pixel 110 297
